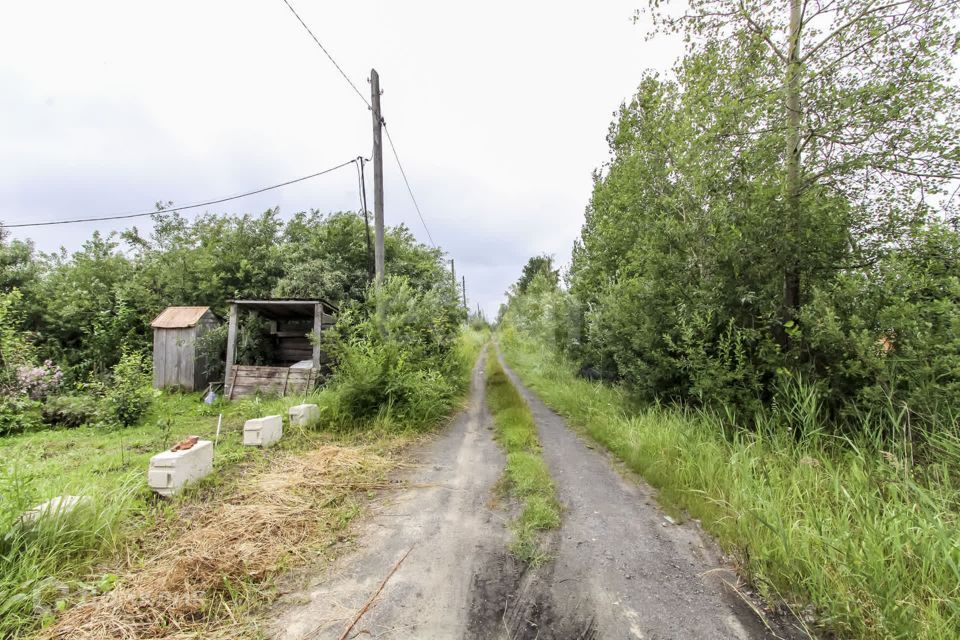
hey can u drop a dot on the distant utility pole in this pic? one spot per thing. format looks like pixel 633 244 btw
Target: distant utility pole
pixel 464 292
pixel 453 274
pixel 377 176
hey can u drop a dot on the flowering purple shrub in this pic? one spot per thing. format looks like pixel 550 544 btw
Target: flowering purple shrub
pixel 39 382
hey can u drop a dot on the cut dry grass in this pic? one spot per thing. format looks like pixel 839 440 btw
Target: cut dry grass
pixel 194 583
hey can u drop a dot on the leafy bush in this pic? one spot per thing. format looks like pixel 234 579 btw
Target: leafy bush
pixel 129 395
pixel 18 413
pixel 40 381
pixel 71 411
pixel 21 383
pixel 211 349
pixel 403 361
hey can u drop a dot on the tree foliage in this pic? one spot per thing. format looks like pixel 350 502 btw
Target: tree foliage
pixel 778 207
pixel 82 310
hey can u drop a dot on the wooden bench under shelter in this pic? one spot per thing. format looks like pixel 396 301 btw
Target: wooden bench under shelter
pixel 297 362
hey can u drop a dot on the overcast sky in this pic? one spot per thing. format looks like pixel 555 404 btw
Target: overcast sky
pixel 499 111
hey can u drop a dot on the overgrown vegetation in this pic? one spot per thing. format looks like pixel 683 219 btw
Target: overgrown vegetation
pixel 748 229
pixel 81 311
pixel 856 530
pixel 399 356
pixel 526 477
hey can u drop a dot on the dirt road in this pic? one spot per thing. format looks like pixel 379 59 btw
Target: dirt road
pixel 619 562
pixel 448 525
pixel 620 569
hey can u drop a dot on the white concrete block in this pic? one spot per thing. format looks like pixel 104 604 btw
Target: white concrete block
pixel 304 415
pixel 55 507
pixel 171 470
pixel 262 432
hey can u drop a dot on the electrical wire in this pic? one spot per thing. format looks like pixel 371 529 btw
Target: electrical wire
pixel 366 220
pixel 324 49
pixel 407 182
pixel 393 147
pixel 144 214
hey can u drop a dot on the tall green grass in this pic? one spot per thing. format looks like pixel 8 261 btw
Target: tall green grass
pixel 849 529
pixel 526 477
pixel 46 566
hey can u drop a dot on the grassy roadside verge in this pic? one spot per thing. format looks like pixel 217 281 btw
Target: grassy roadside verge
pixel 107 548
pixel 842 527
pixel 526 477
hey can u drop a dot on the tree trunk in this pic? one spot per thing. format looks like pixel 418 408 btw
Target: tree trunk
pixel 794 226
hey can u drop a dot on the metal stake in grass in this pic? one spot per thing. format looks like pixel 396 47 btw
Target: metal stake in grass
pixel 216 438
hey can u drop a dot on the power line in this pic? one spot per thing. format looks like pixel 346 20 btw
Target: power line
pixel 144 214
pixel 407 182
pixel 324 49
pixel 393 147
pixel 366 221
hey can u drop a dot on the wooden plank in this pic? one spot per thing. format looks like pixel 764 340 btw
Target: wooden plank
pixel 157 359
pixel 185 357
pixel 233 386
pixel 317 330
pixel 231 342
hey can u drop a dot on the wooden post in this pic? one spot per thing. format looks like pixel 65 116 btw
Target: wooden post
pixel 464 279
pixel 231 343
pixel 317 328
pixel 378 251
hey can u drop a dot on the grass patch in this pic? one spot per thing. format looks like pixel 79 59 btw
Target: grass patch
pixel 47 567
pixel 527 477
pixel 209 567
pixel 845 526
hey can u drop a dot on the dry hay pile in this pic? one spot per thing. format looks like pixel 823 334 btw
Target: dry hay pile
pixel 184 590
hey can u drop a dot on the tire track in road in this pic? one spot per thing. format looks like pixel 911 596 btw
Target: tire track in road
pixel 620 563
pixel 450 523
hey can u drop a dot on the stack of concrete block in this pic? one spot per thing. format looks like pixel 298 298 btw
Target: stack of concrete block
pixel 304 415
pixel 262 432
pixel 171 470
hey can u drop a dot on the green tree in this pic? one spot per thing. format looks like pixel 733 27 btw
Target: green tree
pixel 541 265
pixel 860 93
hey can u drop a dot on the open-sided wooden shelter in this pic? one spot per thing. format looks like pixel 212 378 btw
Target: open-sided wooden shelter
pixel 297 362
pixel 176 362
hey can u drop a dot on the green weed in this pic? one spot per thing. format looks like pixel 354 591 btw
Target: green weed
pixel 526 476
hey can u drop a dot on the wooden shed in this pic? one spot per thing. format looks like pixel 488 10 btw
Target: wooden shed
pixel 297 362
pixel 176 362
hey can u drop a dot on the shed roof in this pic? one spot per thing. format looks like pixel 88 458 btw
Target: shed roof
pixel 179 317
pixel 289 309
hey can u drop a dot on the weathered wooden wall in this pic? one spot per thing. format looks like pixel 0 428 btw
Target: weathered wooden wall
pixel 176 362
pixel 246 380
pixel 174 358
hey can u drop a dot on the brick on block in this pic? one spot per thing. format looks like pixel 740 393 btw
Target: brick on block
pixel 262 432
pixel 304 415
pixel 171 470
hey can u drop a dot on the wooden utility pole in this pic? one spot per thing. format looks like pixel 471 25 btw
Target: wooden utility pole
pixel 791 284
pixel 453 274
pixel 378 262
pixel 464 278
